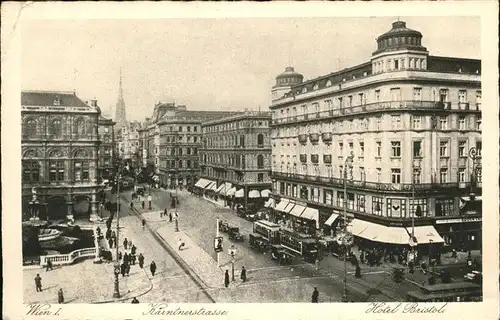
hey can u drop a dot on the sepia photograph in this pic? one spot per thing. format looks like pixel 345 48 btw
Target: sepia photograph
pixel 251 160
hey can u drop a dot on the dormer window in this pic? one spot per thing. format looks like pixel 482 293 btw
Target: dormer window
pixel 328 83
pixel 365 74
pixel 343 79
pixel 304 90
pixel 315 87
pixel 57 102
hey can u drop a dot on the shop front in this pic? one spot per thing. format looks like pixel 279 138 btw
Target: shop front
pixel 461 233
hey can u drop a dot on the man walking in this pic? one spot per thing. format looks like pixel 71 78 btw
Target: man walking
pixel 110 242
pixel 315 295
pixel 133 249
pixel 181 244
pixel 38 283
pixel 170 217
pixel 226 278
pixel 125 243
pixel 152 268
pixel 143 204
pixel 243 275
pixel 60 296
pixel 141 260
pixel 49 265
pixel 134 301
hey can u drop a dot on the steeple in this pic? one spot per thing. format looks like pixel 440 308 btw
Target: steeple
pixel 120 117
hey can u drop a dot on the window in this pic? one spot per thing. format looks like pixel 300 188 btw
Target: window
pixel 56 170
pixel 396 64
pixel 379 148
pixel 351 146
pixel 260 161
pixel 55 128
pixel 396 149
pixel 444 207
pixel 195 128
pixel 31 171
pixel 443 121
pixel 341 148
pixel 416 175
pixel 395 94
pixel 478 97
pixel 81 170
pixel 443 95
pixel 418 208
pixel 396 175
pixel 260 177
pixel 180 128
pixel 443 175
pixel 462 96
pixel 377 95
pixel 461 174
pixel 461 123
pixel 462 145
pixel 180 163
pixel 362 174
pixel 360 202
pixel 188 151
pixel 396 122
pixel 30 128
pixel 340 198
pixel 379 174
pixel 417 122
pixel 417 149
pixel 443 149
pixel 260 140
pixel 396 208
pixel 188 128
pixel 479 122
pixel 377 205
pixel 195 139
pixel 180 152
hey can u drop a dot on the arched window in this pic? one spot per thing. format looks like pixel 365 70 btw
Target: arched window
pixel 81 171
pixel 31 171
pixel 260 161
pixel 260 140
pixel 80 127
pixel 55 128
pixel 30 128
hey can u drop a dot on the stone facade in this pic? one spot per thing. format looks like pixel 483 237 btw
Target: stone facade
pixel 60 144
pixel 106 148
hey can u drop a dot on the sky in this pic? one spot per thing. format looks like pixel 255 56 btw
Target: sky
pixel 210 64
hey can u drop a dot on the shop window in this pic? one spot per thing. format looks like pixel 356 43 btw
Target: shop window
pixel 340 198
pixel 328 197
pixel 360 202
pixel 444 207
pixel 418 208
pixel 377 205
pixel 396 208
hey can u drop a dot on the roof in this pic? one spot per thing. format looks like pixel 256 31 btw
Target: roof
pixel 289 71
pixel 399 27
pixel 453 64
pixel 47 98
pixel 236 116
pixel 197 115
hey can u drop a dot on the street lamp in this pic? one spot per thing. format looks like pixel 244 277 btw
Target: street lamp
pixel 116 293
pixel 347 238
pixel 413 240
pixel 232 253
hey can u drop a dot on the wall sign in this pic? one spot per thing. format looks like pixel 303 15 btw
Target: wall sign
pixel 460 220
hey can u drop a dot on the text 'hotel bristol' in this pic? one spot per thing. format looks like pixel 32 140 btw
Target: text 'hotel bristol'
pixel 412 123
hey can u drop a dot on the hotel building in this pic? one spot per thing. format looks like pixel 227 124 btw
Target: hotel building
pixel 60 144
pixel 236 155
pixel 412 123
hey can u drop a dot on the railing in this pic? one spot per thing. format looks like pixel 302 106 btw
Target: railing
pixel 403 187
pixel 376 106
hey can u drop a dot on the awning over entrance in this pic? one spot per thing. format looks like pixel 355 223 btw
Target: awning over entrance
pixel 331 219
pixel 270 203
pixel 253 194
pixel 209 185
pixel 219 189
pixel 199 183
pixel 265 193
pixel 226 188
pixel 311 214
pixel 231 192
pixel 282 204
pixel 297 210
pixel 213 187
pixel 426 234
pixel 289 207
pixel 379 233
pixel 239 194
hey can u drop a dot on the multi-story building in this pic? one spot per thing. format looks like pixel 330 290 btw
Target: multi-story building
pixel 236 153
pixel 129 142
pixel 173 140
pixel 412 123
pixel 60 144
pixel 107 147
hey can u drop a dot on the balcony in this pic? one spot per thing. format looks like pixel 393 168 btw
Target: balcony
pixel 463 106
pixel 302 138
pixel 382 187
pixel 314 138
pixel 326 136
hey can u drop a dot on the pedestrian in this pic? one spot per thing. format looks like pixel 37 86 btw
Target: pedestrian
pixel 181 244
pixel 243 275
pixel 129 244
pixel 165 212
pixel 49 265
pixel 114 242
pixel 170 217
pixel 113 235
pixel 226 278
pixel 143 204
pixel 110 242
pixel 133 249
pixel 60 296
pixel 38 283
pixel 127 269
pixel 315 295
pixel 125 258
pixel 132 258
pixel 98 231
pixel 123 269
pixel 125 243
pixel 358 271
pixel 143 223
pixel 152 268
pixel 120 256
pixel 108 234
pixel 131 205
pixel 135 300
pixel 141 260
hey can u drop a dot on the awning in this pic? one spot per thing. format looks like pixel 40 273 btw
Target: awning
pixel 270 203
pixel 311 214
pixel 226 187
pixel 231 192
pixel 214 186
pixel 426 234
pixel 252 194
pixel 265 193
pixel 209 185
pixel 332 219
pixel 219 189
pixel 289 207
pixel 282 204
pixel 297 210
pixel 379 233
pixel 239 194
pixel 198 183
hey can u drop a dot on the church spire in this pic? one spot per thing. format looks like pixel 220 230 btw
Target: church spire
pixel 120 117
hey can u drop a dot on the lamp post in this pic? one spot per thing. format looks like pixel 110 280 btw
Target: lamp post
pixel 232 253
pixel 413 240
pixel 116 293
pixel 346 238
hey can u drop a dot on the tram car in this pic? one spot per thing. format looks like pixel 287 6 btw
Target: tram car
pixel 302 245
pixel 268 230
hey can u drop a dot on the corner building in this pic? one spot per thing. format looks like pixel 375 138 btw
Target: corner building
pixel 60 144
pixel 236 156
pixel 412 122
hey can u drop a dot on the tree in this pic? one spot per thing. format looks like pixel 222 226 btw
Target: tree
pixel 31 244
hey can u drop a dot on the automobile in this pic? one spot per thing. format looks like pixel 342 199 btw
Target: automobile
pixel 280 255
pixel 234 234
pixel 258 243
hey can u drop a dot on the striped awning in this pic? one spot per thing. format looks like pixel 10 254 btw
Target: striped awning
pixel 202 183
pixel 282 204
pixel 209 186
pixel 226 187
pixel 289 207
pixel 222 185
pixel 331 219
pixel 311 214
pixel 213 187
pixel 297 210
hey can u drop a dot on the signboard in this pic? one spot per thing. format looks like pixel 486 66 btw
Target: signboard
pixel 232 250
pixel 218 247
pixel 459 220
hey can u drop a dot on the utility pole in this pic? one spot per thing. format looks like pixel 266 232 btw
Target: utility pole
pixel 217 236
pixel 116 293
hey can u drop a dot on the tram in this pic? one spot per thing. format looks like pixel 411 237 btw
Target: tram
pixel 300 244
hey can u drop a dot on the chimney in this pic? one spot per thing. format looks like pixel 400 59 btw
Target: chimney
pixel 93 103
